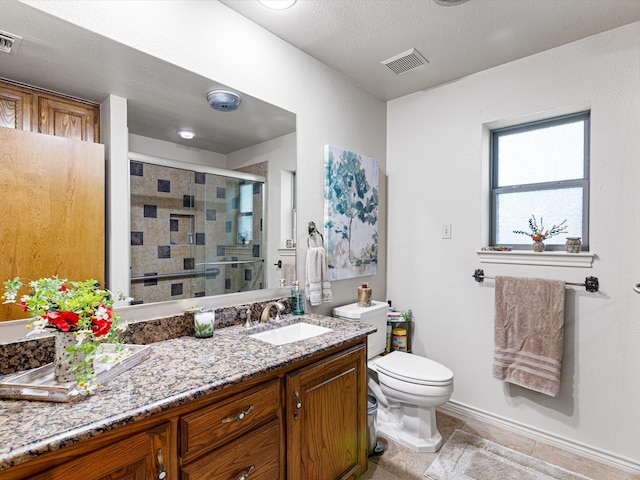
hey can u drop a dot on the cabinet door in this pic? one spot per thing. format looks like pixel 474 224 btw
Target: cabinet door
pixel 65 118
pixel 15 108
pixel 143 456
pixel 327 418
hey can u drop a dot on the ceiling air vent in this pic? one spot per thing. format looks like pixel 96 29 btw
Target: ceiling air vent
pixel 406 61
pixel 9 42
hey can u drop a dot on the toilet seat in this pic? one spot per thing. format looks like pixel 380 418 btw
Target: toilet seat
pixel 410 368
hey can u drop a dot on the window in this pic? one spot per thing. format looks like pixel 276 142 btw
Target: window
pixel 245 215
pixel 542 169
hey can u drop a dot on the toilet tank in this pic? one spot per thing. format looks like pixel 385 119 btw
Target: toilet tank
pixel 375 315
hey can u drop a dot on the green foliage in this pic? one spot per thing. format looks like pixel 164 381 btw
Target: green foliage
pixel 350 194
pixel 80 308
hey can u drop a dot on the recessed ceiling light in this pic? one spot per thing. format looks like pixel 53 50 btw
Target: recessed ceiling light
pixel 277 4
pixel 187 134
pixel 449 3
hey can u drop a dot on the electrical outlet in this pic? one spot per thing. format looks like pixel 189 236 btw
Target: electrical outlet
pixel 446 230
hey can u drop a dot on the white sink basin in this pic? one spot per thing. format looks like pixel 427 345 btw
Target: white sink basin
pixel 290 333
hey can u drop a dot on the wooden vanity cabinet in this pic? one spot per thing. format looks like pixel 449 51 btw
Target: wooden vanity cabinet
pixel 142 456
pixel 234 437
pixel 255 455
pixel 326 418
pixel 305 421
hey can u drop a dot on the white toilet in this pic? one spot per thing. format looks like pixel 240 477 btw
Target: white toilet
pixel 408 387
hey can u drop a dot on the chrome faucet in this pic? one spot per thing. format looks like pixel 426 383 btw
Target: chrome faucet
pixel 247 322
pixel 266 311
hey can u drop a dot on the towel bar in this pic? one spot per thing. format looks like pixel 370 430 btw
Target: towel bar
pixel 590 283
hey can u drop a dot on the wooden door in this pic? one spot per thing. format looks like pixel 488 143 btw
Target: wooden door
pixel 143 456
pixel 327 418
pixel 52 201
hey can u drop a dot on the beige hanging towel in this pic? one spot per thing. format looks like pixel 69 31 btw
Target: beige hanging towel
pixel 317 279
pixel 529 332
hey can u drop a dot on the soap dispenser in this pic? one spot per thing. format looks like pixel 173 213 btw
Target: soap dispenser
pixel 297 299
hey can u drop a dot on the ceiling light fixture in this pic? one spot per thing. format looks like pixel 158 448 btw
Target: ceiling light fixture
pixel 449 3
pixel 277 4
pixel 223 100
pixel 187 134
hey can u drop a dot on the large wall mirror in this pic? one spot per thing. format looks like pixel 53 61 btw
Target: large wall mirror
pixel 256 145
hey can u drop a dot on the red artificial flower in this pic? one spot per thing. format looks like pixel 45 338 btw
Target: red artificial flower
pixel 63 321
pixel 100 327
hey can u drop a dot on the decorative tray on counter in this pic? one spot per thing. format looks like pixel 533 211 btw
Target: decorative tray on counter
pixel 38 383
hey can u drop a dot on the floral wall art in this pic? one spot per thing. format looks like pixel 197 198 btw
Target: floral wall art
pixel 350 213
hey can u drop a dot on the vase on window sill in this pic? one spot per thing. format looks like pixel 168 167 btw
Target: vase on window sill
pixel 538 246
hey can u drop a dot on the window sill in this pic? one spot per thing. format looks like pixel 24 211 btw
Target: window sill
pixel 554 259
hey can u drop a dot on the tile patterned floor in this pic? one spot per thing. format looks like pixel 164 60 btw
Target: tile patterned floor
pixel 400 463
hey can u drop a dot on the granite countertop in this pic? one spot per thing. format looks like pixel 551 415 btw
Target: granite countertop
pixel 176 372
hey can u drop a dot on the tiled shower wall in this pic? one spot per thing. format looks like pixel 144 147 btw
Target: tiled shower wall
pixel 184 236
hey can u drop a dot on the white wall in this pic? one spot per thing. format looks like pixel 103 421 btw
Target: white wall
pixel 230 49
pixel 437 153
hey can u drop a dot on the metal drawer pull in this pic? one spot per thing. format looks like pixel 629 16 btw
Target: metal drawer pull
pixel 238 417
pixel 246 474
pixel 162 472
pixel 296 413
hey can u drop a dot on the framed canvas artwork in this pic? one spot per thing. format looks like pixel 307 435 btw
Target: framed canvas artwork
pixel 351 186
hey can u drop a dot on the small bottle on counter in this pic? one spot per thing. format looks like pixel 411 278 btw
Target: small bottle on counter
pixel 297 299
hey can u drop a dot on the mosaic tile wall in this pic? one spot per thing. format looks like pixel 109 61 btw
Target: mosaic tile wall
pixel 184 235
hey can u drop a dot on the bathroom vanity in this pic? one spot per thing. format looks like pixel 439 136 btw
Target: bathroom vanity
pixel 227 407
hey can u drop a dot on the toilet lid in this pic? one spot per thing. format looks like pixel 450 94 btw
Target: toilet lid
pixel 414 369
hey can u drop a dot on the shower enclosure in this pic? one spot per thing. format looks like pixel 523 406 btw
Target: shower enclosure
pixel 194 233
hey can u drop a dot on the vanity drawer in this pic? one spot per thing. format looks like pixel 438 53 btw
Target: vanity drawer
pixel 221 422
pixel 255 455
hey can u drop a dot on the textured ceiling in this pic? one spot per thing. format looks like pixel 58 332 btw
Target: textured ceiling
pixel 354 36
pixel 351 36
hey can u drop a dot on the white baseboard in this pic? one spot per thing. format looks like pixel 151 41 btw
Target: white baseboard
pixel 602 456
